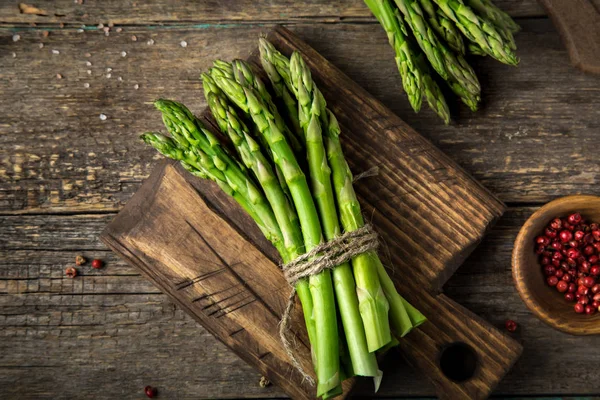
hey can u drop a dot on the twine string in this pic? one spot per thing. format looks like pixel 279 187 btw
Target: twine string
pixel 325 256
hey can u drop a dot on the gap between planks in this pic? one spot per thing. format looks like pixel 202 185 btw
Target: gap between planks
pixel 222 24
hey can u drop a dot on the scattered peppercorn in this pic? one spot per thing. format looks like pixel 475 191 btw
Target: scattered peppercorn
pixel 150 391
pixel 569 253
pixel 80 260
pixel 97 264
pixel 71 272
pixel 510 325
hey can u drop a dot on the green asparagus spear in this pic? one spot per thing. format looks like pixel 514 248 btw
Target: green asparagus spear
pixel 210 86
pixel 475 49
pixel 478 30
pixel 251 154
pixel 503 23
pixel 443 26
pixel 471 99
pixel 405 58
pixel 279 85
pixel 352 219
pixel 374 313
pixel 492 13
pixel 326 347
pixel 450 67
pixel 243 74
pixel 432 91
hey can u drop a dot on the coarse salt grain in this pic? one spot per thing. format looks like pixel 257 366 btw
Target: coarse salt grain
pixel 14 55
pixel 183 43
pixel 106 29
pixel 89 64
pixel 86 85
pixel 16 38
pixel 119 30
pixel 109 75
pixel 58 76
pixel 41 45
pixel 120 79
pixel 79 30
pixel 108 69
pixel 136 86
pixel 87 55
pixel 111 24
pixel 103 117
pixel 150 41
pixel 100 26
pixel 89 71
pixel 123 54
pixel 55 51
pixel 134 38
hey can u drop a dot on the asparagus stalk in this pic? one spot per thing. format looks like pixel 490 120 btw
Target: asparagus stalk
pixel 503 23
pixel 210 86
pixel 475 49
pixel 405 58
pixel 326 347
pixel 432 91
pixel 279 85
pixel 352 219
pixel 452 68
pixel 242 73
pixel 489 11
pixel 478 30
pixel 443 26
pixel 251 154
pixel 311 106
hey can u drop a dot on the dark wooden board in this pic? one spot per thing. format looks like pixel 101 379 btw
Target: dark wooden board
pixel 578 22
pixel 189 11
pixel 421 193
pixel 56 155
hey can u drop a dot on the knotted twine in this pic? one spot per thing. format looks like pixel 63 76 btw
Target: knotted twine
pixel 325 256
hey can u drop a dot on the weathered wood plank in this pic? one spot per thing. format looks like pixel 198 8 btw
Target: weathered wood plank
pixel 144 12
pixel 56 155
pixel 115 344
pixel 228 286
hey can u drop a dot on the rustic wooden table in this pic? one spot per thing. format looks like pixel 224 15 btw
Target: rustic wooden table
pixel 65 171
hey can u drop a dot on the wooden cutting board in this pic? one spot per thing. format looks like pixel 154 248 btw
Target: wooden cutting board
pixel 200 248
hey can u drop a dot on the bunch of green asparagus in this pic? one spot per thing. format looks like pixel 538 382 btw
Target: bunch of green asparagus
pixel 431 33
pixel 286 168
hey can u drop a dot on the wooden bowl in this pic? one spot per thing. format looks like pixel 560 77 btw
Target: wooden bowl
pixel 545 302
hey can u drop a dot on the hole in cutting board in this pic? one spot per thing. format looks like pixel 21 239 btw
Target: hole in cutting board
pixel 458 361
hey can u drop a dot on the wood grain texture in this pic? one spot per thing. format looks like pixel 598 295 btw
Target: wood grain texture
pixel 121 334
pixel 111 330
pixel 228 286
pixel 578 22
pixel 544 301
pixel 56 155
pixel 189 11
